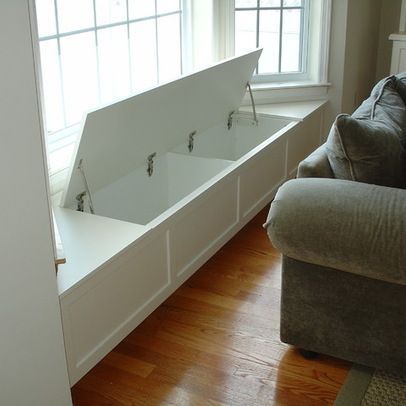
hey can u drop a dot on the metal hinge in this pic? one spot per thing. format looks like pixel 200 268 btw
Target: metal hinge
pixel 80 196
pixel 230 120
pixel 254 111
pixel 150 162
pixel 191 142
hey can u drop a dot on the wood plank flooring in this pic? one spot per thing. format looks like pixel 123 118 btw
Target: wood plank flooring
pixel 215 341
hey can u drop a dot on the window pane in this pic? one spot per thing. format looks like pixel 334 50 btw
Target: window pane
pixel 169 55
pixel 245 31
pixel 143 54
pixel 292 3
pixel 127 58
pixel 291 41
pixel 270 3
pixel 78 53
pixel 114 61
pixel 60 158
pixel 75 15
pixel 269 30
pixel 45 17
pixel 246 3
pixel 167 6
pixel 51 81
pixel 141 8
pixel 110 11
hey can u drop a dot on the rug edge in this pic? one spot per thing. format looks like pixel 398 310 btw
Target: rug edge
pixel 356 384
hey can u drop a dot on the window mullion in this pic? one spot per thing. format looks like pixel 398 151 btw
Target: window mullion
pixel 180 6
pixel 96 40
pixel 302 38
pixel 257 33
pixel 156 42
pixel 280 39
pixel 187 40
pixel 58 42
pixel 129 46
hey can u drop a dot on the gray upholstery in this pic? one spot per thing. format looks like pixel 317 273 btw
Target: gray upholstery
pixel 385 105
pixel 366 146
pixel 315 165
pixel 345 225
pixel 344 241
pixel 344 315
pixel 366 151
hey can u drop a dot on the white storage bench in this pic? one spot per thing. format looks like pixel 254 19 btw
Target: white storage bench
pixel 171 175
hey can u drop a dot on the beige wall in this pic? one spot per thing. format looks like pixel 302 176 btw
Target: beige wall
pixel 390 12
pixel 363 21
pixel 336 61
pixel 359 51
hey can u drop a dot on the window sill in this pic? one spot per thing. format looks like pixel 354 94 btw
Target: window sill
pixel 295 111
pixel 280 92
pixel 288 85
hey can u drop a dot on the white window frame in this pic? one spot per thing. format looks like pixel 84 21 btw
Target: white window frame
pixel 302 73
pixel 316 43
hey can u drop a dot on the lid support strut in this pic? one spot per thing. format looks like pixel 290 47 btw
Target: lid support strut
pixel 254 111
pixel 82 172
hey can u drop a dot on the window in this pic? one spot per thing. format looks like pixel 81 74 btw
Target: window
pixel 278 26
pixel 93 52
pixel 96 51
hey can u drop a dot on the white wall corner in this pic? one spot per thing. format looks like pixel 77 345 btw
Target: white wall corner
pixel 223 29
pixel 32 352
pixel 402 19
pixel 325 41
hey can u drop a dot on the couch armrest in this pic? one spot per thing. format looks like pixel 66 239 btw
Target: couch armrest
pixel 316 165
pixel 350 226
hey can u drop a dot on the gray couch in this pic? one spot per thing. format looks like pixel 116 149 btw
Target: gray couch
pixel 341 227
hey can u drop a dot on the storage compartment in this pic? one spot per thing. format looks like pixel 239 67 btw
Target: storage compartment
pixel 140 198
pixel 170 175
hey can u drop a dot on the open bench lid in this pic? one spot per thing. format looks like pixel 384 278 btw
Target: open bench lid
pixel 117 139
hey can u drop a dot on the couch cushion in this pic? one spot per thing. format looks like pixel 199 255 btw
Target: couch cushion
pixel 386 104
pixel 367 146
pixel 366 151
pixel 316 165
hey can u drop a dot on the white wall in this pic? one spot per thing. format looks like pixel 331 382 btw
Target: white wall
pixel 32 359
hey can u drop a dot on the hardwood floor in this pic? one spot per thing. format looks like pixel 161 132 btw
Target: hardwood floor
pixel 215 341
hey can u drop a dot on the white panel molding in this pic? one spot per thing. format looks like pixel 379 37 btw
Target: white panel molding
pixel 398 61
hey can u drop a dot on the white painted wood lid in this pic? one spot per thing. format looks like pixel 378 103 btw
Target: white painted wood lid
pixel 117 138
